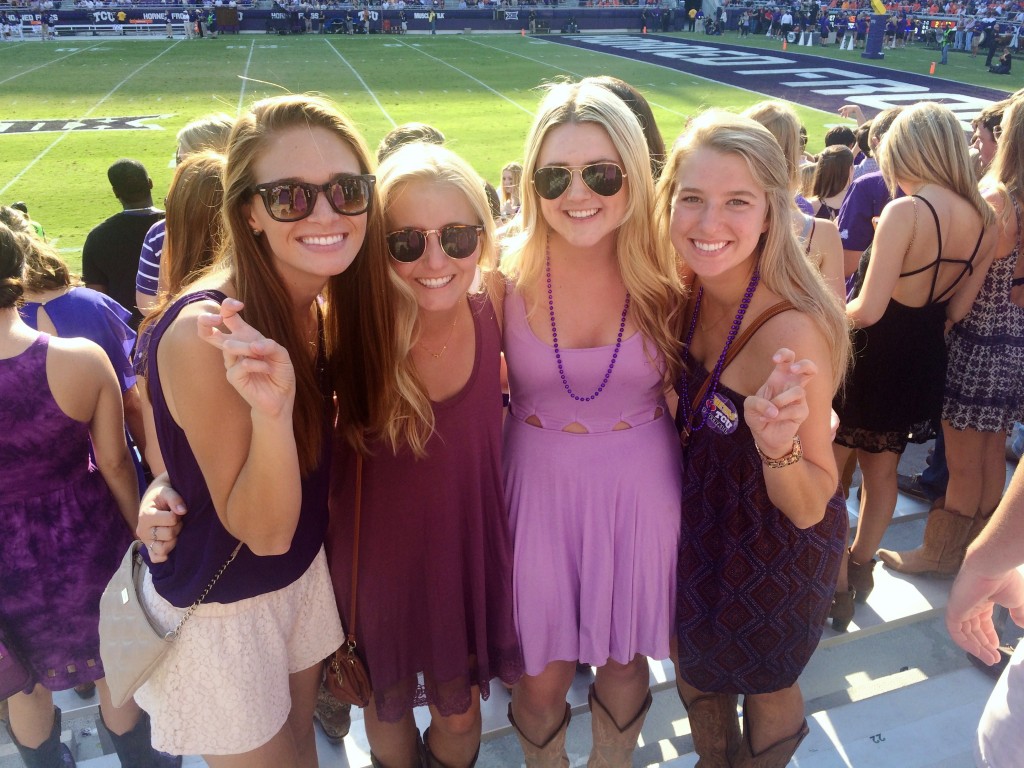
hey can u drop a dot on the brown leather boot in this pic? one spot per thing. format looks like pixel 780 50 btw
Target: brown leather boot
pixel 945 537
pixel 777 755
pixel 842 609
pixel 430 761
pixel 861 578
pixel 550 754
pixel 613 746
pixel 714 727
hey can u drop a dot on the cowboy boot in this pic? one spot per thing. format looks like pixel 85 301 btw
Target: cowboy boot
pixel 429 761
pixel 613 746
pixel 550 754
pixel 777 755
pixel 945 537
pixel 714 728
pixel 50 754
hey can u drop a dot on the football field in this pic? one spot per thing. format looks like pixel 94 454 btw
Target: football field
pixel 73 106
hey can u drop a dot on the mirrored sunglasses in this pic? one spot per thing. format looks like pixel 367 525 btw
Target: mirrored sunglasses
pixel 457 240
pixel 295 200
pixel 604 179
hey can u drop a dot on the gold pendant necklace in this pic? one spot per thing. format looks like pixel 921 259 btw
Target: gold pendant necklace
pixel 437 355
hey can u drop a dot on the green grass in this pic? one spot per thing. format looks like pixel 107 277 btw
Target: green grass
pixel 478 89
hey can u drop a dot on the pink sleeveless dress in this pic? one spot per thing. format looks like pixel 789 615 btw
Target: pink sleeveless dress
pixel 595 517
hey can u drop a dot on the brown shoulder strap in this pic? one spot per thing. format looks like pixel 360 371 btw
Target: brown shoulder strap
pixel 740 342
pixel 351 628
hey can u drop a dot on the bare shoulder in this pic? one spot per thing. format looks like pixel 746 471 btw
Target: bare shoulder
pixel 71 357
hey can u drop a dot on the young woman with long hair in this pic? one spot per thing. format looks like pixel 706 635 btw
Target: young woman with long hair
pixel 763 520
pixel 928 257
pixel 983 395
pixel 249 449
pixel 591 458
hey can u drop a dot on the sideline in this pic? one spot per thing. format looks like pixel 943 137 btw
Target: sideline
pixel 46 63
pixel 806 79
pixel 96 106
pixel 367 87
pixel 497 93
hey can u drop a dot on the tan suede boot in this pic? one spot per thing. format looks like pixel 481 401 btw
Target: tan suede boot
pixel 945 538
pixel 715 728
pixel 550 754
pixel 613 746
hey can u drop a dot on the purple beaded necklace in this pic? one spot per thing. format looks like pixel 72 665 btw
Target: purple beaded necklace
pixel 558 353
pixel 684 396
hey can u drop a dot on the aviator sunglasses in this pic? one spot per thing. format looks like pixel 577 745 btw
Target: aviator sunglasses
pixel 551 181
pixel 457 240
pixel 295 200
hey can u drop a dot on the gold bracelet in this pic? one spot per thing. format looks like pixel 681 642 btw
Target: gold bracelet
pixel 783 461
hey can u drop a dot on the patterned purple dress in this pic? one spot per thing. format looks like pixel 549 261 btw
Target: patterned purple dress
pixel 753 589
pixel 63 535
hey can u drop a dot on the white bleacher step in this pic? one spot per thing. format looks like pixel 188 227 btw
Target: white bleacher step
pixel 924 725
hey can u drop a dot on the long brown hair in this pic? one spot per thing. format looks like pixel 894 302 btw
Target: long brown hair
pixel 45 270
pixel 357 302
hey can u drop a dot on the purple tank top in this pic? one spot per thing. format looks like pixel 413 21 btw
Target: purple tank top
pixel 204 545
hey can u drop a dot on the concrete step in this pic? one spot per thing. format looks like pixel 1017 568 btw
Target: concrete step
pixel 924 724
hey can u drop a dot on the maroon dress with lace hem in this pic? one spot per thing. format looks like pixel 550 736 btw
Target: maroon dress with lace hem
pixel 434 614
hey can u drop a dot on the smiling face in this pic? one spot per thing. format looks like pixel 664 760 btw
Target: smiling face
pixel 437 280
pixel 325 243
pixel 580 217
pixel 719 213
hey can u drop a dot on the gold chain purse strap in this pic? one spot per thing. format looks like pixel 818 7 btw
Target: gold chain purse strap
pixel 173 634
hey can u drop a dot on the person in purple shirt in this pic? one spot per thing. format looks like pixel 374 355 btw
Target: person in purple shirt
pixel 210 132
pixel 867 196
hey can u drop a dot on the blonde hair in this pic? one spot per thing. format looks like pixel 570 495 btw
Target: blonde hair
pixel 782 122
pixel 211 132
pixel 784 268
pixel 926 143
pixel 410 419
pixel 647 266
pixel 1007 170
pixel 516 169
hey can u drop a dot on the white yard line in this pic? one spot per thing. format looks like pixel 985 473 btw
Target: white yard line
pixel 568 71
pixel 367 87
pixel 96 106
pixel 245 78
pixel 48 63
pixel 498 93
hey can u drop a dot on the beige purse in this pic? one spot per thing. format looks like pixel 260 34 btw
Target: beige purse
pixel 131 642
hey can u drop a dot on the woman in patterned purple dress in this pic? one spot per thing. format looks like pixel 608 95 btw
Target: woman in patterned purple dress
pixel 66 523
pixel 764 523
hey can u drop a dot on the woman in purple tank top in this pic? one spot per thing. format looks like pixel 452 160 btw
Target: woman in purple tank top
pixel 66 521
pixel 249 450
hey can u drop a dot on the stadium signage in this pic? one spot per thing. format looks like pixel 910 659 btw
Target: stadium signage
pixel 511 15
pixel 823 87
pixel 81 124
pixel 440 16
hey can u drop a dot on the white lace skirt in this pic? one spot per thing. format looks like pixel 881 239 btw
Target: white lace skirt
pixel 222 689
